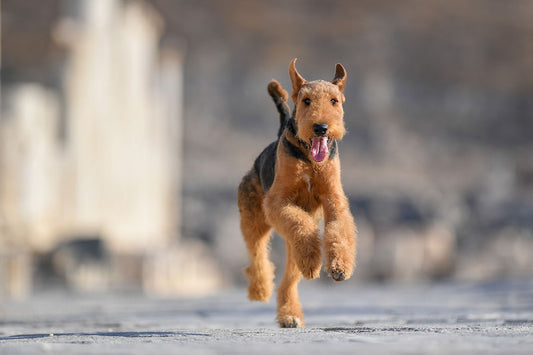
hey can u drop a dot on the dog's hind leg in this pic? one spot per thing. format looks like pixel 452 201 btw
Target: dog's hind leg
pixel 290 313
pixel 256 233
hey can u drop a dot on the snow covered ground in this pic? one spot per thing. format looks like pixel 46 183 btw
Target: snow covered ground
pixel 341 318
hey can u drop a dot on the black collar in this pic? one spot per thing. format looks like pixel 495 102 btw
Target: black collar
pixel 294 151
pixel 291 127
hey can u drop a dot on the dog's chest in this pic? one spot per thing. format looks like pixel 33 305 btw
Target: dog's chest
pixel 307 180
pixel 307 193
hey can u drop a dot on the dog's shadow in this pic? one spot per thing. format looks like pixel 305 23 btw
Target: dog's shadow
pixel 145 334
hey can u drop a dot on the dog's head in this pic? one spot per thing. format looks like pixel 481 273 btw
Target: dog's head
pixel 319 114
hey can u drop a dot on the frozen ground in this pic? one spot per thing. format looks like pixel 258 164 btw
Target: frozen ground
pixel 341 318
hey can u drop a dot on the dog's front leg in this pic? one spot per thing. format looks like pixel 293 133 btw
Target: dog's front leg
pixel 340 236
pixel 300 230
pixel 290 313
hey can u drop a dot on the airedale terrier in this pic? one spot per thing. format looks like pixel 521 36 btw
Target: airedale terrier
pixel 295 182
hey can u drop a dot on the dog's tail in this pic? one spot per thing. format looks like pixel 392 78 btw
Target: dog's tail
pixel 280 97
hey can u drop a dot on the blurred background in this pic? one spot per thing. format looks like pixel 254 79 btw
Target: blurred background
pixel 126 127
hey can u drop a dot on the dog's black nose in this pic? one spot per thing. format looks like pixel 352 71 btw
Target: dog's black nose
pixel 320 129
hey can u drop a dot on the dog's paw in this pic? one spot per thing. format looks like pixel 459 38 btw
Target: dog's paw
pixel 310 265
pixel 259 292
pixel 261 282
pixel 290 322
pixel 338 270
pixel 311 273
pixel 337 275
pixel 308 258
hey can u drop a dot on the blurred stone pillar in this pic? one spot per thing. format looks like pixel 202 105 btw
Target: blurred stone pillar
pixel 170 104
pixel 0 55
pixel 29 182
pixel 120 125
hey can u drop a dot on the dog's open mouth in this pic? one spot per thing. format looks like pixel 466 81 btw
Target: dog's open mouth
pixel 319 148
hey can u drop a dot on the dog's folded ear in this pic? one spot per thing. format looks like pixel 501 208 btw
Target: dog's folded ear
pixel 296 79
pixel 340 76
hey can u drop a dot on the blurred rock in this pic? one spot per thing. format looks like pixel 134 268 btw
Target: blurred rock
pixel 506 254
pixel 186 269
pixel 16 274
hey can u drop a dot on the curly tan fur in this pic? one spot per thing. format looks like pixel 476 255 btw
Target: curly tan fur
pixel 302 192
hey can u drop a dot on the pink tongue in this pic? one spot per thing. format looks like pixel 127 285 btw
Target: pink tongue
pixel 319 148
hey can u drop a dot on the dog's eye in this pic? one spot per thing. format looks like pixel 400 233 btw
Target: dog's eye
pixel 333 101
pixel 307 102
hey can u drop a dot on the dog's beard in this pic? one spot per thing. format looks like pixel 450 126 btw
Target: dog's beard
pixel 319 148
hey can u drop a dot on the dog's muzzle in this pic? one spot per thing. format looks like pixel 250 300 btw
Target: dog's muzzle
pixel 320 129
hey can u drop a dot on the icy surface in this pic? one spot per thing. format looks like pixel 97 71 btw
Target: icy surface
pixel 341 318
